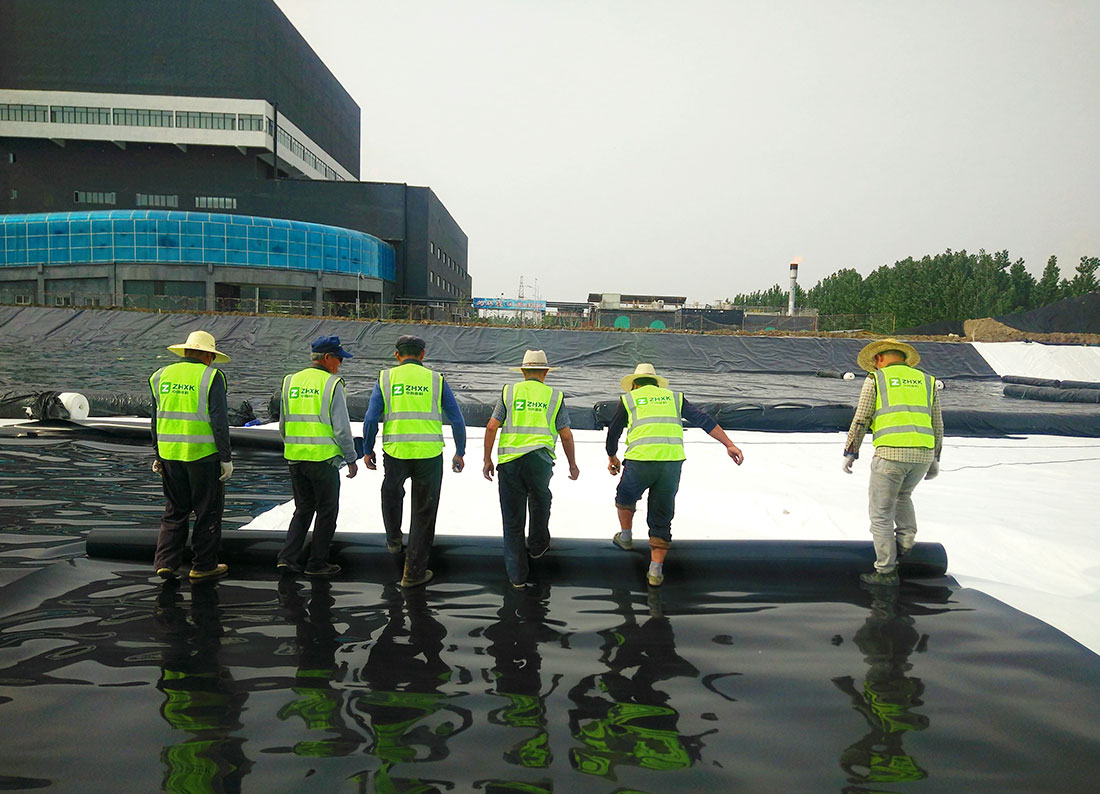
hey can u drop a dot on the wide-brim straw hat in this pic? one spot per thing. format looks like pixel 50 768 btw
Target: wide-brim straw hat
pixel 202 341
pixel 534 359
pixel 866 358
pixel 642 371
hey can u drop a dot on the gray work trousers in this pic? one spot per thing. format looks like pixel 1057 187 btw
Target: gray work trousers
pixel 890 505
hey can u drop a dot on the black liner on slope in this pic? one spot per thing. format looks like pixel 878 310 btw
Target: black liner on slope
pixel 1051 394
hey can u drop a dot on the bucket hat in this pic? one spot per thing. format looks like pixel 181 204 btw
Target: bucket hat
pixel 866 358
pixel 534 359
pixel 202 341
pixel 642 371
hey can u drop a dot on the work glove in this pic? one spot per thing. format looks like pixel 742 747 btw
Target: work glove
pixel 158 467
pixel 933 471
pixel 848 461
pixel 227 471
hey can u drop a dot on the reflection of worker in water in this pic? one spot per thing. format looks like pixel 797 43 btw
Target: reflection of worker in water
pixel 319 701
pixel 201 698
pixel 513 644
pixel 619 716
pixel 888 695
pixel 406 711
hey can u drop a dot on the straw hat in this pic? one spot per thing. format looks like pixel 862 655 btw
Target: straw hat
pixel 534 359
pixel 202 341
pixel 642 371
pixel 866 358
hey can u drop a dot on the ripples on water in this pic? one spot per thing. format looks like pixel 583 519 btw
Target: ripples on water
pixel 113 681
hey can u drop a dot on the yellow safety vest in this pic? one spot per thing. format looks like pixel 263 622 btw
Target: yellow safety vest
pixel 412 418
pixel 654 429
pixel 903 408
pixel 532 408
pixel 182 395
pixel 305 420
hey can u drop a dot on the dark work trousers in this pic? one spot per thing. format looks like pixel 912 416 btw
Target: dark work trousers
pixel 191 486
pixel 524 485
pixel 662 479
pixel 316 486
pixel 427 476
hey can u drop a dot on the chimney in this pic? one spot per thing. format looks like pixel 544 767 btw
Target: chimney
pixel 794 284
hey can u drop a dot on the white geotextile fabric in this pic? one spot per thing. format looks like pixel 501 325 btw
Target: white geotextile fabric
pixel 1034 360
pixel 1017 516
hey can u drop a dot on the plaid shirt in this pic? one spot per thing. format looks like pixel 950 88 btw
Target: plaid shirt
pixel 865 409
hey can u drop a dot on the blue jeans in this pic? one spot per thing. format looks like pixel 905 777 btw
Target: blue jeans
pixel 662 479
pixel 524 485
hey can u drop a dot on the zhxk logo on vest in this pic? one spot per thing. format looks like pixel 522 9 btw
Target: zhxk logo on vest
pixel 176 388
pixel 529 405
pixel 407 388
pixel 303 391
pixel 654 400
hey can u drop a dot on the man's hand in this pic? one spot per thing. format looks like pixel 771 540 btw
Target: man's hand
pixel 158 467
pixel 735 453
pixel 353 469
pixel 227 470
pixel 487 469
pixel 370 461
pixel 848 461
pixel 613 465
pixel 934 469
pixel 574 471
pixel 457 464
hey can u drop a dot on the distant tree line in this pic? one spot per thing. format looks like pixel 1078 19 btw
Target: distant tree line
pixel 952 286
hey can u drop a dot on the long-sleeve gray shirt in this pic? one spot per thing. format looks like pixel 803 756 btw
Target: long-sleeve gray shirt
pixel 341 426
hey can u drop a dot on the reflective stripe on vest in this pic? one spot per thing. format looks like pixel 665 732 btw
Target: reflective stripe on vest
pixel 412 419
pixel 305 417
pixel 182 395
pixel 903 408
pixel 532 411
pixel 654 429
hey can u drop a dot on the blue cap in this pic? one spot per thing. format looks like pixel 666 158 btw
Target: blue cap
pixel 329 344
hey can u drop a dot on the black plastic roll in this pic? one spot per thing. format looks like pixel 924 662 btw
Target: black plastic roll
pixel 1051 395
pixel 831 373
pixel 1079 384
pixel 584 560
pixel 1023 381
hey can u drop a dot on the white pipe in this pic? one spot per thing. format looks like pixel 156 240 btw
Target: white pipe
pixel 794 284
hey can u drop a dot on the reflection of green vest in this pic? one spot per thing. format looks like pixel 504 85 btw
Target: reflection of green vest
pixel 412 421
pixel 306 417
pixel 182 395
pixel 532 408
pixel 903 408
pixel 654 430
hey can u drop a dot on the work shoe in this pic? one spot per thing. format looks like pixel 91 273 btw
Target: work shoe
pixel 655 579
pixel 167 573
pixel 324 571
pixel 407 582
pixel 878 577
pixel 625 545
pixel 395 548
pixel 217 572
pixel 534 555
pixel 519 585
pixel 287 568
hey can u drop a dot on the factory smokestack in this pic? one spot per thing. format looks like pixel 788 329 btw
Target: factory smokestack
pixel 794 284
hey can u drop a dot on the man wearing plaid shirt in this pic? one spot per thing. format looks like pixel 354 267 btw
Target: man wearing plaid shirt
pixel 899 404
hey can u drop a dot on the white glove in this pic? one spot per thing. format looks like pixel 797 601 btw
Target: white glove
pixel 158 467
pixel 227 471
pixel 848 461
pixel 933 471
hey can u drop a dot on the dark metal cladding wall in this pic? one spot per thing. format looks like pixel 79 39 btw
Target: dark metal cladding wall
pixel 218 48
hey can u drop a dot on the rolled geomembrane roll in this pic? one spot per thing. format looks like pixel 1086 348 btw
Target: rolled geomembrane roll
pixel 1051 395
pixel 833 373
pixel 75 403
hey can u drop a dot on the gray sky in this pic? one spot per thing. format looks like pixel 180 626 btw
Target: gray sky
pixel 695 147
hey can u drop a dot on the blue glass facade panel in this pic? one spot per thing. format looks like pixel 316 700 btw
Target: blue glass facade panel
pixel 194 237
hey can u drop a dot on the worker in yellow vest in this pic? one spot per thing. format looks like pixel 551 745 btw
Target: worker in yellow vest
pixel 900 406
pixel 193 456
pixel 653 418
pixel 533 415
pixel 411 400
pixel 317 440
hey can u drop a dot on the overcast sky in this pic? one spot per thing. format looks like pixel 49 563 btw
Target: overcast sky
pixel 694 148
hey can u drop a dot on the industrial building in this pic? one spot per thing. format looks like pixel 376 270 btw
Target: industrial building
pixel 198 155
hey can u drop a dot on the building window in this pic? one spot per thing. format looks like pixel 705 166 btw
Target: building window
pixel 89 301
pixel 433 247
pixel 215 203
pixel 14 193
pixel 40 113
pixel 250 122
pixel 154 200
pixel 93 197
pixel 196 120
pixel 22 300
pixel 65 114
pixel 137 117
pixel 63 300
